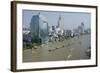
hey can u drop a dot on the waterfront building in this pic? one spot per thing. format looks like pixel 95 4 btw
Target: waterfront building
pixel 81 28
pixel 60 23
pixel 39 28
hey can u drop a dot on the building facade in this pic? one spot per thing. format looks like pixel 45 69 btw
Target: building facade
pixel 39 28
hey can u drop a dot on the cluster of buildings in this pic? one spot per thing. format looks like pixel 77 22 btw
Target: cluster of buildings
pixel 41 32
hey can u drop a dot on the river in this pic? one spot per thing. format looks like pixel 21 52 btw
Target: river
pixel 70 49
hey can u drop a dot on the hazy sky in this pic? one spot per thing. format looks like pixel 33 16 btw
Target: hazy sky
pixel 70 19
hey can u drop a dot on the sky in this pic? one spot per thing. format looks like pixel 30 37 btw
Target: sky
pixel 70 20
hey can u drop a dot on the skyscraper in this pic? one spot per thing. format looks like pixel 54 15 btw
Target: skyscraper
pixel 39 28
pixel 60 22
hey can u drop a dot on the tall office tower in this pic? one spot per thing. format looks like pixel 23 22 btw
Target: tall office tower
pixel 60 23
pixel 39 28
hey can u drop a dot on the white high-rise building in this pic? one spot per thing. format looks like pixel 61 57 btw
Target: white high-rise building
pixel 60 23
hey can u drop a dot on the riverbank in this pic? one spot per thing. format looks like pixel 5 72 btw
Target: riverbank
pixel 70 49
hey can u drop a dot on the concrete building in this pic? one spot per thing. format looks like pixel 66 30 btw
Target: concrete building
pixel 81 28
pixel 60 23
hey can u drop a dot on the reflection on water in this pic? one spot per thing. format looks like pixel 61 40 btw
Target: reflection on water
pixel 86 43
pixel 70 49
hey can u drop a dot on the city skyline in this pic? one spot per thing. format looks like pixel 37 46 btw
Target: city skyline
pixel 70 20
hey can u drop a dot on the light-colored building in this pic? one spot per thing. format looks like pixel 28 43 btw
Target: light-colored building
pixel 60 23
pixel 81 28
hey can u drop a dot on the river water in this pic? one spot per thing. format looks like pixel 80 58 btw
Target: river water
pixel 70 49
pixel 86 44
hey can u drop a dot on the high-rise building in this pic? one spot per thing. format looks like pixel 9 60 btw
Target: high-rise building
pixel 60 23
pixel 39 28
pixel 81 28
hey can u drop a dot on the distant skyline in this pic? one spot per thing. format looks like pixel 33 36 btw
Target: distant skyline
pixel 70 20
